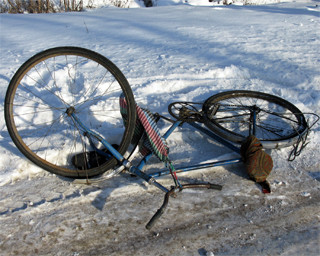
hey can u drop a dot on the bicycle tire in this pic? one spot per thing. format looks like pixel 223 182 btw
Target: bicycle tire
pixel 278 124
pixel 51 82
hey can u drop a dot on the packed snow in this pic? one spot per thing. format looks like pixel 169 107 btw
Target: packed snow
pixel 176 51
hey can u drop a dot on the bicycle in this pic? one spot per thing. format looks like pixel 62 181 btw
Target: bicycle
pixel 65 100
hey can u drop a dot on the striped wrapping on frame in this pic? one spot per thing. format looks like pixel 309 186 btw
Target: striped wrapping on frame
pixel 155 142
pixel 152 141
pixel 138 130
pixel 146 126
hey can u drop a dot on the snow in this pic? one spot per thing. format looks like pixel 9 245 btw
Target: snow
pixel 176 51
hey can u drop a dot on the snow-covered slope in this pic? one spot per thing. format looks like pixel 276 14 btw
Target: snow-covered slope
pixel 172 53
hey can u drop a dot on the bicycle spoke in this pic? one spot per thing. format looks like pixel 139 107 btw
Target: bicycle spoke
pixel 226 119
pixel 50 87
pixel 282 116
pixel 230 113
pixel 47 131
pixel 54 76
pixel 43 86
pixel 97 98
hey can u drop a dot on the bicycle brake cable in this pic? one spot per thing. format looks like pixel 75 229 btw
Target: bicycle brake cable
pixel 302 141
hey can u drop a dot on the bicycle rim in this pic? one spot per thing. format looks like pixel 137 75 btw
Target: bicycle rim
pixel 46 86
pixel 278 122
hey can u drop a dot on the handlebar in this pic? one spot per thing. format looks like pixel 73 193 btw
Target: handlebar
pixel 171 192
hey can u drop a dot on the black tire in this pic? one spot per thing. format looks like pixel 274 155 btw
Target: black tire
pixel 278 123
pixel 58 79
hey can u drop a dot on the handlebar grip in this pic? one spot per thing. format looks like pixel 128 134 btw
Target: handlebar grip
pixel 215 186
pixel 155 217
pixel 161 210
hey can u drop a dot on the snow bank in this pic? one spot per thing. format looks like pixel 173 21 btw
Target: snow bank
pixel 172 53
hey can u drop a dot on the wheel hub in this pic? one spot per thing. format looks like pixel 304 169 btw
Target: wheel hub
pixel 70 111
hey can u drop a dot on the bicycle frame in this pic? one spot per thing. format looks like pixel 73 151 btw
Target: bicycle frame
pixel 150 178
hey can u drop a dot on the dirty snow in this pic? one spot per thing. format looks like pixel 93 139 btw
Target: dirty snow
pixel 172 53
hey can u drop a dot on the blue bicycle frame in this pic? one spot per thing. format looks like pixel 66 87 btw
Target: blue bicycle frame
pixel 150 178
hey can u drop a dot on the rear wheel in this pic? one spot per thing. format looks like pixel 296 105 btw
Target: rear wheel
pixel 278 123
pixel 39 99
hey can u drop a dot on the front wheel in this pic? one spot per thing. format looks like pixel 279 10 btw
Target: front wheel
pixel 39 99
pixel 276 122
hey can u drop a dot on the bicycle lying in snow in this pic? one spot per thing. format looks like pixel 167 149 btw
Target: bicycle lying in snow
pixel 72 112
